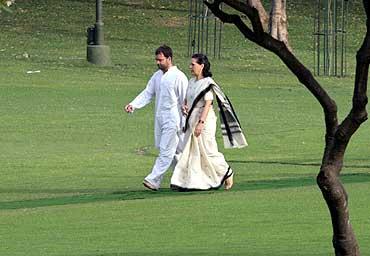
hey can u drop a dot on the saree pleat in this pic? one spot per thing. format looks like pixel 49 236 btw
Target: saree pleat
pixel 201 166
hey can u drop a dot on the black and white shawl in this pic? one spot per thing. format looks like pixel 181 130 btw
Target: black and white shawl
pixel 232 133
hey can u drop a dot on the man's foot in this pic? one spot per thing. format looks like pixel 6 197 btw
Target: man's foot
pixel 229 182
pixel 149 185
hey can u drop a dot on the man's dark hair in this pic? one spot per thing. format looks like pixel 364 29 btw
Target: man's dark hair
pixel 165 50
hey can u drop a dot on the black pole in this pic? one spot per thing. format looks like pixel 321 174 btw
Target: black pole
pixel 99 23
pixel 190 26
pixel 97 52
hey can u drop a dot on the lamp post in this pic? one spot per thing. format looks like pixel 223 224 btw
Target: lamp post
pixel 97 52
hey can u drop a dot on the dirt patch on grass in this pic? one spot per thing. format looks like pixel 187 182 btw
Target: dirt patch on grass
pixel 133 2
pixel 172 22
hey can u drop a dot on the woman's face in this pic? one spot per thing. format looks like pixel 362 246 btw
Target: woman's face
pixel 195 68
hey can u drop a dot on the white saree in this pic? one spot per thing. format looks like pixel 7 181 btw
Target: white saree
pixel 200 166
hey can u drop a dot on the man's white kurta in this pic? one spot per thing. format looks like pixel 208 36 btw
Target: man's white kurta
pixel 169 89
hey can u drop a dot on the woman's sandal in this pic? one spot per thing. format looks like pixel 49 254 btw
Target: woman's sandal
pixel 229 182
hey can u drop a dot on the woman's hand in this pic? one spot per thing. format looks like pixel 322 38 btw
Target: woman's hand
pixel 198 129
pixel 185 109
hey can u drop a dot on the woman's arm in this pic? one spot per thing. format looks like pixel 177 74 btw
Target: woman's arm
pixel 202 118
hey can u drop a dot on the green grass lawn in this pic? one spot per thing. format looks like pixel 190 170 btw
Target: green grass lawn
pixel 72 163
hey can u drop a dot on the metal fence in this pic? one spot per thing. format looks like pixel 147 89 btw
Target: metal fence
pixel 330 37
pixel 205 30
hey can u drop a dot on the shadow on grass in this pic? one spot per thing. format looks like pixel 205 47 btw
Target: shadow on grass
pixel 145 194
pixel 136 5
pixel 177 253
pixel 297 164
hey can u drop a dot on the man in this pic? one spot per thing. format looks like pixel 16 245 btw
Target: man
pixel 168 85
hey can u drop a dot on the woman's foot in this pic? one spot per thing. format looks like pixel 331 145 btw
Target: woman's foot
pixel 229 182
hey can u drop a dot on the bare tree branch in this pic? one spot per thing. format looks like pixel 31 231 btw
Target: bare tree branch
pixel 337 136
pixel 280 49
pixel 344 240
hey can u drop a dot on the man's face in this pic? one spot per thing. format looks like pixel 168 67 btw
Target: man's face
pixel 163 63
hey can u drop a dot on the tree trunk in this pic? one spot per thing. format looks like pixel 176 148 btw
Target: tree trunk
pixel 278 24
pixel 344 239
pixel 262 12
pixel 337 136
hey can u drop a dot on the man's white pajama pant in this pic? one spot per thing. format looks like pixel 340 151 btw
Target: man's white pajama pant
pixel 168 142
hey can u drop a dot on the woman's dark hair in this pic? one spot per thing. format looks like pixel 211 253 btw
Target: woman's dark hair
pixel 165 50
pixel 202 59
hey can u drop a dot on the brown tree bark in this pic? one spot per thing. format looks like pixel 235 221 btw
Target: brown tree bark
pixel 337 135
pixel 276 23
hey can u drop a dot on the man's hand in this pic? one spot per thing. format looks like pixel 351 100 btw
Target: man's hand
pixel 129 108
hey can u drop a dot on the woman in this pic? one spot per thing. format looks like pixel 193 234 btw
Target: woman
pixel 201 166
